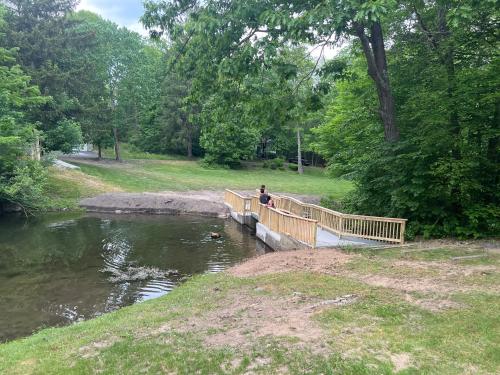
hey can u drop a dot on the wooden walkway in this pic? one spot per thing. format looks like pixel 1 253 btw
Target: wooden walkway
pixel 317 226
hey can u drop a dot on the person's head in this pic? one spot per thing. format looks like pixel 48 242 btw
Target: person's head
pixel 262 187
pixel 262 190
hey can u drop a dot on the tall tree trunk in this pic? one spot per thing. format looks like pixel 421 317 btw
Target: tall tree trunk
pixel 99 151
pixel 35 148
pixel 374 51
pixel 300 168
pixel 117 145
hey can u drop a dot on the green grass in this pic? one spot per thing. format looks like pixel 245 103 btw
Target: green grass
pixel 129 152
pixel 65 188
pixel 190 175
pixel 361 338
pixel 151 172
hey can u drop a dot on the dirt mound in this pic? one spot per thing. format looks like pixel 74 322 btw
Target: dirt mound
pixel 324 261
pixel 206 203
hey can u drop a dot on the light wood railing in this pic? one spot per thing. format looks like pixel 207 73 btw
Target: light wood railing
pixel 369 227
pixel 300 220
pixel 238 202
pixel 299 228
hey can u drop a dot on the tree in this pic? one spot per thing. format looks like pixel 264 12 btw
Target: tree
pixel 122 88
pixel 443 174
pixel 21 180
pixel 65 137
pixel 251 30
pixel 50 51
pixel 174 123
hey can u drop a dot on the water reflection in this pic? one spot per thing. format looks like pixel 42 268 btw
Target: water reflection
pixel 51 267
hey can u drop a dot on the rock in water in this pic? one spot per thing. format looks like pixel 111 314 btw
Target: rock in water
pixel 215 235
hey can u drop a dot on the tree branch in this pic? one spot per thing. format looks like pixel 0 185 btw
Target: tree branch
pixel 370 59
pixel 309 75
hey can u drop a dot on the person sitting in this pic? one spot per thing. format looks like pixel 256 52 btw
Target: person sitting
pixel 270 202
pixel 264 198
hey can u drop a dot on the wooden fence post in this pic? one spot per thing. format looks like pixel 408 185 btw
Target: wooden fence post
pixel 402 232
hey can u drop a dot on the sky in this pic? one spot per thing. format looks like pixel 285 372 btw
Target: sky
pixel 122 12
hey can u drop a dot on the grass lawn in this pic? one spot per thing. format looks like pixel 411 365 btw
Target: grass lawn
pixel 66 188
pixel 129 152
pixel 440 318
pixel 142 172
pixel 190 175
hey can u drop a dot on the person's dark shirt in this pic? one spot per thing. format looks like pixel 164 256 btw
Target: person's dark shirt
pixel 264 198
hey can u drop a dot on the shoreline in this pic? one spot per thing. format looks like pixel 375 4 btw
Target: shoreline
pixel 283 312
pixel 204 203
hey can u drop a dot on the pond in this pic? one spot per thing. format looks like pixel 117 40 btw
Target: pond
pixel 56 269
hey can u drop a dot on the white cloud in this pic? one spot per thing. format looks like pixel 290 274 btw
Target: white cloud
pixel 86 5
pixel 124 13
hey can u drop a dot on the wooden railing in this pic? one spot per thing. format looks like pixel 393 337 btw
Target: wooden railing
pixel 238 202
pixel 369 227
pixel 299 228
pixel 300 220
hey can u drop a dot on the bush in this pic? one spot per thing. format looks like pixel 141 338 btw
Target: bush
pixel 293 167
pixel 331 203
pixel 276 163
pixel 64 137
pixel 279 162
pixel 265 164
pixel 26 186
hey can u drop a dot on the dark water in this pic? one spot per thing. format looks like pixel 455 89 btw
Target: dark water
pixel 51 267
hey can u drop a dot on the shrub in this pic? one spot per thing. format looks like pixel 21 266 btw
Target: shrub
pixel 331 203
pixel 279 162
pixel 26 186
pixel 276 163
pixel 64 137
pixel 293 167
pixel 265 164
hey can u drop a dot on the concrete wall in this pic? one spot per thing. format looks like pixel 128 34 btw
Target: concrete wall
pixel 277 241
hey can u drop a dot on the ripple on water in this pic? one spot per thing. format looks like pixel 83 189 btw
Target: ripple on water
pixel 51 266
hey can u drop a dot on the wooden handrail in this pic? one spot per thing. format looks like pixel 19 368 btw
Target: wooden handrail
pixel 369 227
pixel 305 216
pixel 238 202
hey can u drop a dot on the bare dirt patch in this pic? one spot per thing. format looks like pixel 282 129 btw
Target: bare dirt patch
pixel 93 349
pixel 207 203
pixel 328 261
pixel 400 361
pixel 246 317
